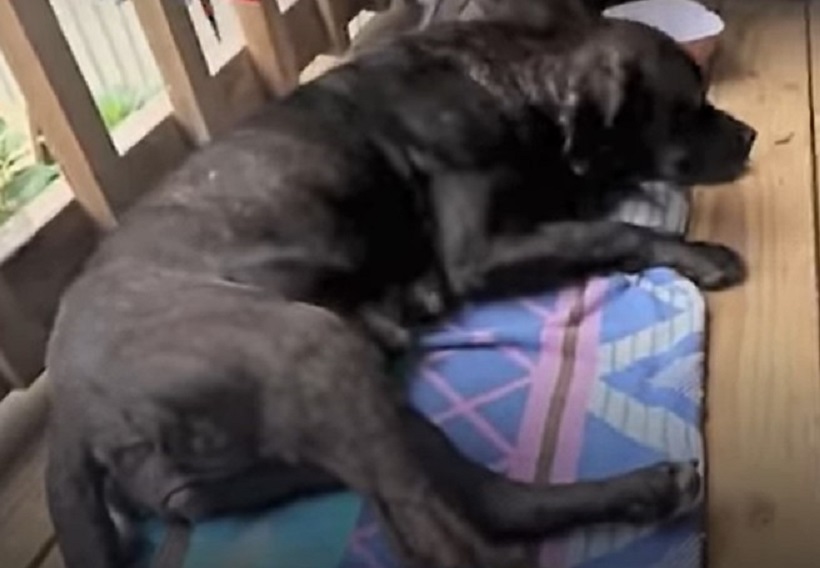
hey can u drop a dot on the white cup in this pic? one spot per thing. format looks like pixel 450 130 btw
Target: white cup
pixel 689 23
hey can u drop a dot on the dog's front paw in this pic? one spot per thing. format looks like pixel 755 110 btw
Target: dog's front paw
pixel 664 491
pixel 712 266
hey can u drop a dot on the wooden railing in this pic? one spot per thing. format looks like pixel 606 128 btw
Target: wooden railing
pixel 105 173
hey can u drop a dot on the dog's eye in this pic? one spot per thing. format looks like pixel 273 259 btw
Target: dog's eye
pixel 676 162
pixel 682 164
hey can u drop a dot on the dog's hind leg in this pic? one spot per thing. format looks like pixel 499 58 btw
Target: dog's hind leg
pixel 75 486
pixel 340 411
pixel 441 509
pixel 510 510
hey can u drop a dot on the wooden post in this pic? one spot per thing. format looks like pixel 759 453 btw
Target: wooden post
pixel 334 16
pixel 41 60
pixel 172 38
pixel 269 44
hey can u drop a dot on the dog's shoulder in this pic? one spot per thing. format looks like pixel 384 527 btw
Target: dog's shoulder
pixel 435 92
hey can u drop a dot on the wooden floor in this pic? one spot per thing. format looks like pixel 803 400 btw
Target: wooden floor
pixel 763 426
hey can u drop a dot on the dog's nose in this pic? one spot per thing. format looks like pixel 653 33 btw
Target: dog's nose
pixel 748 136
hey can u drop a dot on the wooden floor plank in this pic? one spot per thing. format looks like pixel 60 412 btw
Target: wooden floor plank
pixel 25 528
pixel 763 426
pixel 814 84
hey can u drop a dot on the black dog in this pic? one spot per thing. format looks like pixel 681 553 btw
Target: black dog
pixel 218 352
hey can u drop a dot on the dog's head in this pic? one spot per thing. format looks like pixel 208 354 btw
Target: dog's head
pixel 633 106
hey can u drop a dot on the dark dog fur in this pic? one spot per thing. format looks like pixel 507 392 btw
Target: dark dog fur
pixel 218 353
pixel 534 12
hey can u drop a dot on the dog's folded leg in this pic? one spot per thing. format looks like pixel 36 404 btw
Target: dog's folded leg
pixel 421 302
pixel 507 509
pixel 461 206
pixel 387 331
pixel 75 486
pixel 566 250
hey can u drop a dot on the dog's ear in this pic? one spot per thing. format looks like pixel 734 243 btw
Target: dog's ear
pixel 592 100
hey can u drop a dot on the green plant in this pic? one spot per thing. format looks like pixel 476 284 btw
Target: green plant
pixel 117 103
pixel 20 179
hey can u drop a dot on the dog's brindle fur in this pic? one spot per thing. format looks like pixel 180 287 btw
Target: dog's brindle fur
pixel 217 353
pixel 534 12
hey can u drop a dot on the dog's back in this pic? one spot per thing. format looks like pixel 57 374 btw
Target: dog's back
pixel 285 195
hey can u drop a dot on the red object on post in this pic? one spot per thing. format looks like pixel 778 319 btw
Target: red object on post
pixel 208 8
